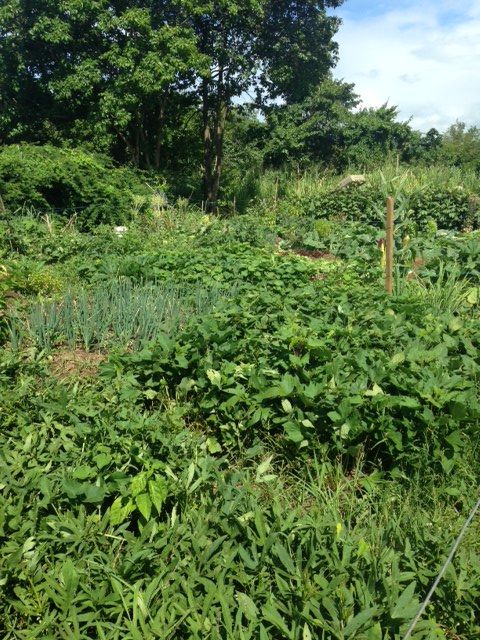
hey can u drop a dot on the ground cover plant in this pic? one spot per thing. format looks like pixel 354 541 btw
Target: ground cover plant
pixel 224 428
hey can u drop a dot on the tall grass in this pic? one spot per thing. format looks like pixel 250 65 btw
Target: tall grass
pixel 446 292
pixel 243 553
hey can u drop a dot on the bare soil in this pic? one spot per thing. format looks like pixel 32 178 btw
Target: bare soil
pixel 78 363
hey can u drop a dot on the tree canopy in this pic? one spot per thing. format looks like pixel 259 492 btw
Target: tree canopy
pixel 119 75
pixel 168 85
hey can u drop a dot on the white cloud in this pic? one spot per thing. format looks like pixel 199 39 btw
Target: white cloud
pixel 425 58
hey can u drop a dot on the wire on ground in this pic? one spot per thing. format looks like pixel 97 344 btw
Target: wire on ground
pixel 456 544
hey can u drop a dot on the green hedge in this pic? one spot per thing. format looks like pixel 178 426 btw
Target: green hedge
pixel 452 208
pixel 67 182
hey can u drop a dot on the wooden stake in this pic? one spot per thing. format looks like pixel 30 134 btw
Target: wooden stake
pixel 389 246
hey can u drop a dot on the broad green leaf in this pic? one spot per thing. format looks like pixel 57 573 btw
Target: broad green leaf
pixel 374 391
pixel 281 552
pixel 293 432
pixel 374 633
pixel 358 621
pixel 287 385
pixel 247 605
pixel 264 466
pixel 455 325
pixel 139 484
pixel 215 377
pixel 213 446
pixel 272 615
pixel 83 472
pixel 307 634
pixel 407 604
pixel 102 460
pixel 94 494
pixel 158 491
pixel 473 296
pixel 70 576
pixel 144 505
pixel 116 512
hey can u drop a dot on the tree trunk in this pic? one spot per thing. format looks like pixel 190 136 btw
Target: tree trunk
pixel 220 120
pixel 213 139
pixel 137 145
pixel 145 151
pixel 158 142
pixel 208 195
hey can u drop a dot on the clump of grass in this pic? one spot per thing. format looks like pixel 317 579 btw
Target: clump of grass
pixel 390 179
pixel 445 292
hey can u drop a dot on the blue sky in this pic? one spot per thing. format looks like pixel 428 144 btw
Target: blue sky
pixel 423 56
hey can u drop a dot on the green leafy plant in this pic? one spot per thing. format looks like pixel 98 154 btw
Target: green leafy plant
pixel 119 522
pixel 117 312
pixel 266 446
pixel 70 183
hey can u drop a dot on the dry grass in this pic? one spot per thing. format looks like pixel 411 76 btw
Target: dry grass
pixel 76 363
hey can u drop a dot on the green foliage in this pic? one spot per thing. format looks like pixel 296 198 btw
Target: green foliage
pixel 449 208
pixel 461 146
pixel 274 375
pixel 127 80
pixel 291 456
pixel 448 197
pixel 119 523
pixel 372 136
pixel 324 129
pixel 223 428
pixel 69 183
pixel 115 313
pixel 28 276
pixel 86 73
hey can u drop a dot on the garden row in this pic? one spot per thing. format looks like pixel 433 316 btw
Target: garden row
pixel 257 441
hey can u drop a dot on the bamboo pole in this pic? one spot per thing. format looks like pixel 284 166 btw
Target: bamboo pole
pixel 389 246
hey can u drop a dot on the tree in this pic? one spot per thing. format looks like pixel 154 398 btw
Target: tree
pixel 112 74
pixel 272 48
pixel 296 47
pixel 311 130
pixel 119 74
pixel 370 136
pixel 461 146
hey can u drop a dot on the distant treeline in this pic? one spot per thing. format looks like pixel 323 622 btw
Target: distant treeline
pixel 200 89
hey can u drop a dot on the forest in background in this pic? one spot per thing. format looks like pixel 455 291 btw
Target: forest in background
pixel 206 94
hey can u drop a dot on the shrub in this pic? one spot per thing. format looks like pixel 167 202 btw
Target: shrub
pixel 68 182
pixel 450 208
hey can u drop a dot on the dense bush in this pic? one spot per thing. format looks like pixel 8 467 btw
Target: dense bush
pixel 69 183
pixel 305 353
pixel 389 387
pixel 445 196
pixel 450 208
pixel 118 523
